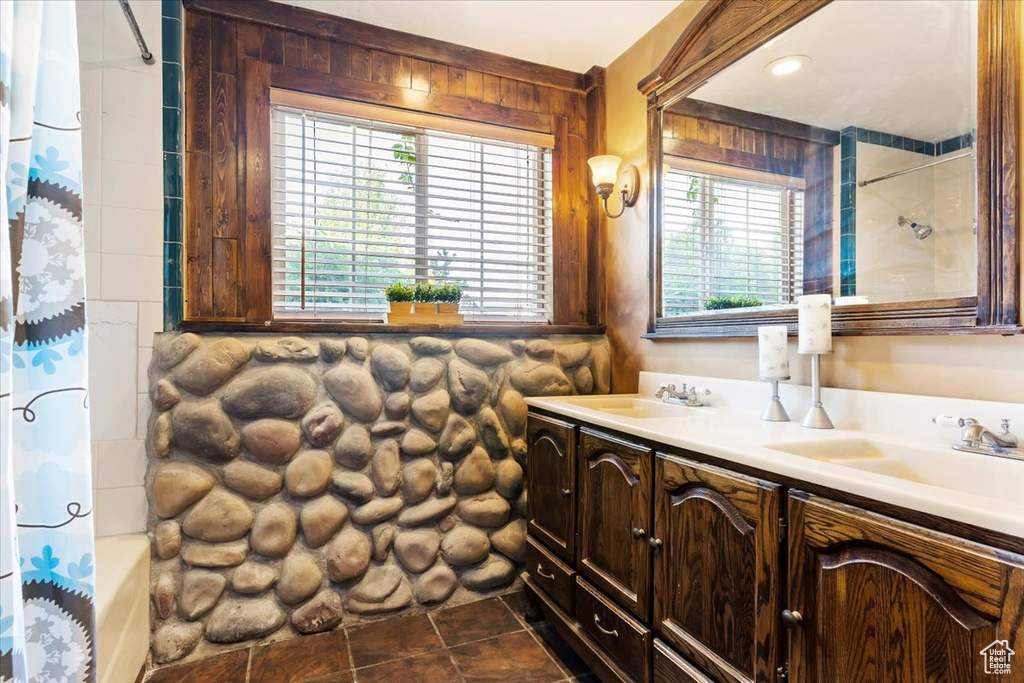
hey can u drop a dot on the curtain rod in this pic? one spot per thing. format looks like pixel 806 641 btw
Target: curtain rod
pixel 915 168
pixel 147 56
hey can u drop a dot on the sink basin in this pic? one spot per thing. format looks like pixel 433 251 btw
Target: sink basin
pixel 632 407
pixel 983 475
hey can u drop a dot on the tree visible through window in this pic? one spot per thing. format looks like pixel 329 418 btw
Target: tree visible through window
pixel 359 204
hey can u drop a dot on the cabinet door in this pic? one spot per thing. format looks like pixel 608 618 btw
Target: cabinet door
pixel 883 601
pixel 551 484
pixel 615 516
pixel 716 570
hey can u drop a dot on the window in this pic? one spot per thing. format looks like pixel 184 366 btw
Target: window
pixel 729 237
pixel 360 203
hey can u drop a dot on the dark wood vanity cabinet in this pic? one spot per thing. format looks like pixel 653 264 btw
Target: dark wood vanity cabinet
pixel 551 482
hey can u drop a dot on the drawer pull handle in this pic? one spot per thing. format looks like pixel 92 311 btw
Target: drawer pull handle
pixel 597 622
pixel 540 572
pixel 638 533
pixel 566 492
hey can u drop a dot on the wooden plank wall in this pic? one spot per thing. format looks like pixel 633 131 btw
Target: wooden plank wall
pixel 234 54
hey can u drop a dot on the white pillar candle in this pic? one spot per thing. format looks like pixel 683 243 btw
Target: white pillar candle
pixel 773 352
pixel 815 323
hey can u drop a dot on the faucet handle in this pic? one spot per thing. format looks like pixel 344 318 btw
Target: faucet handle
pixel 1005 424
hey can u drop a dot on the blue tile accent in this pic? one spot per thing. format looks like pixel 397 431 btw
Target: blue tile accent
pixel 174 295
pixel 173 208
pixel 170 30
pixel 174 298
pixel 172 85
pixel 172 130
pixel 848 208
pixel 173 185
pixel 170 9
pixel 172 264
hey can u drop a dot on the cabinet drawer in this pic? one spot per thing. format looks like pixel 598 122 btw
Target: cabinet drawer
pixel 548 572
pixel 669 667
pixel 623 637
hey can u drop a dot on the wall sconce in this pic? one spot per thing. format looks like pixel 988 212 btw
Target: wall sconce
pixel 605 171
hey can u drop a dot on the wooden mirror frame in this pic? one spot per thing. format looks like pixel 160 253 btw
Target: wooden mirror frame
pixel 727 30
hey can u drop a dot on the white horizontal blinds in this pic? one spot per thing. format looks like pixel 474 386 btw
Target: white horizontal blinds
pixel 729 237
pixel 359 204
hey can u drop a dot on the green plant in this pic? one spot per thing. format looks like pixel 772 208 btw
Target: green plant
pixel 425 293
pixel 399 291
pixel 717 303
pixel 449 293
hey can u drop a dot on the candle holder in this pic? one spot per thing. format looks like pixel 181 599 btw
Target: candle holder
pixel 816 417
pixel 775 411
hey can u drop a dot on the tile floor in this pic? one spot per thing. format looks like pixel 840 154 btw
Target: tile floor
pixel 483 641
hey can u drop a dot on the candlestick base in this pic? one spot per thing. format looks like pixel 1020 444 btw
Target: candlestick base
pixel 817 418
pixel 775 411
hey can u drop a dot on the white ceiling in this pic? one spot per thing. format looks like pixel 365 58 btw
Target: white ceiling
pixel 904 67
pixel 570 34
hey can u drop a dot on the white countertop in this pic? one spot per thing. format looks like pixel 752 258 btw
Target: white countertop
pixel 982 490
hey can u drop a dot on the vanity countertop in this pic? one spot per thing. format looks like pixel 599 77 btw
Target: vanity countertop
pixel 923 474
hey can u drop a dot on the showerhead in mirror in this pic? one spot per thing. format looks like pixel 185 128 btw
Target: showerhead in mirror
pixel 921 230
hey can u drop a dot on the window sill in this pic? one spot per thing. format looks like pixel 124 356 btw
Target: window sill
pixel 302 327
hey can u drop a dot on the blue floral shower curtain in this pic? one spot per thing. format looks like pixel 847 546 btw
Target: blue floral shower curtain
pixel 46 528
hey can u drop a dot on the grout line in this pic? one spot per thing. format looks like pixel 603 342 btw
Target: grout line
pixel 558 665
pixel 444 645
pixel 478 640
pixel 248 665
pixel 520 618
pixel 348 648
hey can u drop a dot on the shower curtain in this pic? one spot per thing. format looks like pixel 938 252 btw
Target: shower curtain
pixel 46 527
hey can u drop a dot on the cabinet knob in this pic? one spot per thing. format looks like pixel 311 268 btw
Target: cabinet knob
pixel 791 619
pixel 566 492
pixel 638 533
pixel 655 542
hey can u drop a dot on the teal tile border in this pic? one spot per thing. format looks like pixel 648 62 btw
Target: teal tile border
pixel 174 294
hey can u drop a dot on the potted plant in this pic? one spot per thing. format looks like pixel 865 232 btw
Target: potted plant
pixel 448 298
pixel 425 296
pixel 400 297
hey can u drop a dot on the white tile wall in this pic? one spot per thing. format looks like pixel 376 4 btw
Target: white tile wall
pixel 122 178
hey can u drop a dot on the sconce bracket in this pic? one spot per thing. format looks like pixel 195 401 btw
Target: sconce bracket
pixel 629 181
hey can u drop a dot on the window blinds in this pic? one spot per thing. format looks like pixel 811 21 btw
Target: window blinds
pixel 359 204
pixel 729 237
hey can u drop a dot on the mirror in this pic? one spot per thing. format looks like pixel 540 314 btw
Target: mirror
pixel 838 154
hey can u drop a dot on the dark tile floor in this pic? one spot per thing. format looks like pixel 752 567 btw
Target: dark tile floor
pixel 483 641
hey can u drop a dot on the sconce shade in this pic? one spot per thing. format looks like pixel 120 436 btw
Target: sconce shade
pixel 605 169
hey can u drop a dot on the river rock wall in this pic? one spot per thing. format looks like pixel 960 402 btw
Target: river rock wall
pixel 298 482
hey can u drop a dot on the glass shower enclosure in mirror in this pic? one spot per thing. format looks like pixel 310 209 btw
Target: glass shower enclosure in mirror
pixel 836 157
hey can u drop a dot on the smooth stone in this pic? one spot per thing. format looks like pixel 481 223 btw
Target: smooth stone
pixel 167 539
pixel 480 352
pixel 520 450
pixel 200 591
pixel 475 474
pixel 219 516
pixel 381 537
pixel 171 642
pixel 465 545
pixel 165 395
pixel 601 365
pixel 250 479
pixel 387 428
pixel 332 350
pixel 518 346
pixel 447 524
pixel 390 366
pixel 431 411
pixel 323 424
pixel 521 504
pixel 396 406
pixel 219 555
pixel 401 598
pixel 358 348
pixel 277 391
pixel 489 510
pixel 508 478
pixel 427 512
pixel 356 487
pixel 510 540
pixel 384 589
pixel 513 409
pixel 417 550
pixel 274 530
pixel 540 348
pixel 377 511
pixel 457 438
pixel 418 480
pixel 494 573
pixel 308 474
pixel 162 435
pixel 177 485
pixel 583 378
pixel 322 613
pixel 300 578
pixel 416 443
pixel 164 594
pixel 430 346
pixel 386 468
pixel 354 448
pixel 285 348
pixel 468 386
pixel 571 355
pixel 348 555
pixel 211 365
pixel 270 440
pixel 252 578
pixel 447 478
pixel 498 384
pixel 436 585
pixel 203 429
pixel 425 373
pixel 238 619
pixel 540 379
pixel 492 433
pixel 321 518
pixel 170 349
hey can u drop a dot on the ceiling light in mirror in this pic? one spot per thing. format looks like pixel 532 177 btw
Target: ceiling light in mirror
pixel 784 66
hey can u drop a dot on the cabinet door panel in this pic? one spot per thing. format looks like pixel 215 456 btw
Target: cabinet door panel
pixel 615 498
pixel 885 601
pixel 551 484
pixel 716 574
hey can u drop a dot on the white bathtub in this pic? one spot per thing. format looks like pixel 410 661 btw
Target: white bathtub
pixel 122 606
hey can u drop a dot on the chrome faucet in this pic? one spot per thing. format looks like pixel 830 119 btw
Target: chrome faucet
pixel 686 397
pixel 976 438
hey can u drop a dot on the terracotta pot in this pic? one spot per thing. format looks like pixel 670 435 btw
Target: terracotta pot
pixel 448 309
pixel 404 307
